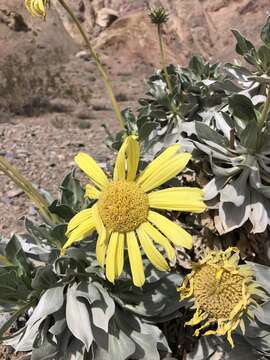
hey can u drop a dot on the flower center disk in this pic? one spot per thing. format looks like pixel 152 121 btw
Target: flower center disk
pixel 123 206
pixel 217 295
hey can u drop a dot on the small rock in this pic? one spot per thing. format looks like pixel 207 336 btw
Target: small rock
pixel 14 193
pixel 106 16
pixel 83 55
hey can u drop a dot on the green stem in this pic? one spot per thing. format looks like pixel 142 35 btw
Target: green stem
pixel 163 61
pixel 265 110
pixel 101 70
pixel 29 190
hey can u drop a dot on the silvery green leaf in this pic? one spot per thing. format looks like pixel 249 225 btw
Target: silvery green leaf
pixel 245 47
pixel 204 349
pixel 238 72
pixel 235 192
pixel 212 189
pixel 256 183
pixel 50 302
pixel 121 347
pixel 233 217
pixel 78 317
pixel 72 193
pixel 224 123
pixel 26 341
pixel 242 350
pixel 60 323
pixel 44 278
pixel 259 214
pixel 44 349
pixel 204 132
pixel 249 136
pixel 265 32
pixel 16 256
pixel 264 54
pixel 110 304
pixel 262 273
pixel 263 313
pixel 76 350
pixel 242 107
pixel 98 304
pixel 147 129
pixel 40 233
pixel 222 171
pixel 149 341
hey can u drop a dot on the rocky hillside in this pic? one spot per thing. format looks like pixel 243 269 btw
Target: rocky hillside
pixel 50 89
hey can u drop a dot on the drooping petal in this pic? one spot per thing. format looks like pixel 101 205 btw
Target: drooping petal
pixel 155 235
pixel 79 218
pixel 101 248
pixel 179 199
pixel 80 232
pixel 172 231
pixel 150 250
pixel 91 192
pixel 99 224
pixel 111 267
pixel 166 171
pixel 120 255
pixel 88 165
pixel 127 160
pixel 135 259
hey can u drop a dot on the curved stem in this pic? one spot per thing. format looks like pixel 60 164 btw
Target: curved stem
pixel 29 190
pixel 94 55
pixel 163 61
pixel 265 109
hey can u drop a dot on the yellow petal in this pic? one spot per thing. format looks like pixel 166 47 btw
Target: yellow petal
pixel 91 192
pixel 111 257
pixel 135 259
pixel 88 165
pixel 127 160
pixel 172 231
pixel 150 250
pixel 99 223
pixel 179 199
pixel 166 171
pixel 78 219
pixel 133 158
pixel 159 238
pixel 101 249
pixel 158 162
pixel 120 255
pixel 80 232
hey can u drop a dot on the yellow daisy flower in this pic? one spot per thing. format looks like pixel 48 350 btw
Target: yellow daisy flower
pixel 123 214
pixel 222 291
pixel 36 7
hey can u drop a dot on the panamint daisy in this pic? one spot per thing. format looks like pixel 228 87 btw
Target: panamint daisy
pixel 124 214
pixel 222 291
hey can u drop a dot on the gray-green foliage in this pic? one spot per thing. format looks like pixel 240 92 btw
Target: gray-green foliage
pixel 219 115
pixel 75 313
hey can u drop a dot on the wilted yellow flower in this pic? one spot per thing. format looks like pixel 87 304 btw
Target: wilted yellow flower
pixel 222 291
pixel 123 215
pixel 36 7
